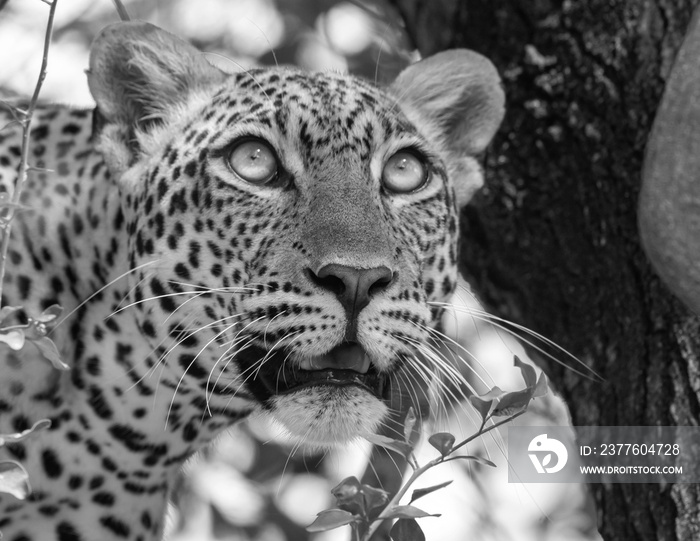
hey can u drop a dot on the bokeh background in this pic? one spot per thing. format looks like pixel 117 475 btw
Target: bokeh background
pixel 251 484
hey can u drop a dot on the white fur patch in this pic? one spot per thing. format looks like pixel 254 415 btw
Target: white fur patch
pixel 327 416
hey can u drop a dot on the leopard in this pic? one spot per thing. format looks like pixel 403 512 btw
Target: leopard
pixel 270 242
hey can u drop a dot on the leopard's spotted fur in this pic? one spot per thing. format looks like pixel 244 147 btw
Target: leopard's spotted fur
pixel 216 285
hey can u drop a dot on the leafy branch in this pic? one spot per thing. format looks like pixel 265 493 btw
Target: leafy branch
pixel 16 331
pixel 364 508
pixel 13 477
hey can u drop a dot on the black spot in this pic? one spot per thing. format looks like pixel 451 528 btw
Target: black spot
pixel 182 271
pixel 65 531
pixel 146 520
pixel 92 447
pixel 20 423
pixel 190 432
pixel 52 466
pixel 96 482
pixel 78 225
pixel 57 285
pixel 109 465
pixel 75 482
pixel 116 526
pixel 92 366
pixel 148 329
pixel 48 510
pixel 40 132
pixel 160 224
pixel 99 404
pixel 129 437
pixel 191 168
pixel 104 498
pixel 193 256
pixel 189 364
pixel 24 283
pixel 162 189
pixel 166 303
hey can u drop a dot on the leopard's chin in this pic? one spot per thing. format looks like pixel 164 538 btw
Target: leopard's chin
pixel 322 400
pixel 327 415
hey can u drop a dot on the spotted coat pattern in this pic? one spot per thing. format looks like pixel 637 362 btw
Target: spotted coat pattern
pixel 170 269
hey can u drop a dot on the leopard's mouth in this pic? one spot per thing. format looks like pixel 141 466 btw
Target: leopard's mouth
pixel 345 365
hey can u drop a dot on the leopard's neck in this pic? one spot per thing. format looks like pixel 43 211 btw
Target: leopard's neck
pixel 120 430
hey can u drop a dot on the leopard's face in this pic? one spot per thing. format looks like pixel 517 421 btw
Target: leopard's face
pixel 294 236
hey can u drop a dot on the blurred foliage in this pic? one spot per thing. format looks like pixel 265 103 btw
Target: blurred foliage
pixel 358 36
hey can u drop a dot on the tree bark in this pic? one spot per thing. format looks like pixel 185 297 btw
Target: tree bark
pixel 552 243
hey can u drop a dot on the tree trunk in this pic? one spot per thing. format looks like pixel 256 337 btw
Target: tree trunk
pixel 552 241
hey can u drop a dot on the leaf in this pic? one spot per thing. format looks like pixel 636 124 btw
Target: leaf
pixel 7 311
pixel 347 489
pixel 407 511
pixel 374 497
pixel 542 386
pixel 406 530
pixel 408 424
pixel 349 497
pixel 512 403
pixel 6 206
pixel 50 352
pixel 14 339
pixel 420 492
pixel 388 443
pixel 527 370
pixel 500 404
pixel 331 519
pixel 14 438
pixel 485 403
pixel 50 314
pixel 14 480
pixel 473 458
pixel 443 442
pixel 517 401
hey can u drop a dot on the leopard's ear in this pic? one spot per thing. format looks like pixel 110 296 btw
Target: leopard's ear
pixel 138 75
pixel 455 96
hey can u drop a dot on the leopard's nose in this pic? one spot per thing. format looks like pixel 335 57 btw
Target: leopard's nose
pixel 351 285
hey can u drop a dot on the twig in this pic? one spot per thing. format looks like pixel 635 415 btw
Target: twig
pixel 24 153
pixel 121 10
pixel 420 471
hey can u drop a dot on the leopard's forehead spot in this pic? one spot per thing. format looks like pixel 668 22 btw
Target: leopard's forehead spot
pixel 339 106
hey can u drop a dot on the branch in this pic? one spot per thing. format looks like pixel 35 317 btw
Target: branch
pixel 436 461
pixel 26 132
pixel 121 10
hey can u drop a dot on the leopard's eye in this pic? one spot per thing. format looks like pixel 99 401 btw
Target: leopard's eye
pixel 404 172
pixel 254 161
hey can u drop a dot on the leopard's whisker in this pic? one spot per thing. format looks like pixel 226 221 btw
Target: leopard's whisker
pixel 192 362
pixel 268 326
pixel 227 358
pixel 109 284
pixel 503 325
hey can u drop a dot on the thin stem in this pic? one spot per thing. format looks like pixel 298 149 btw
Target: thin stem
pixel 422 469
pixel 121 10
pixel 483 430
pixel 24 153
